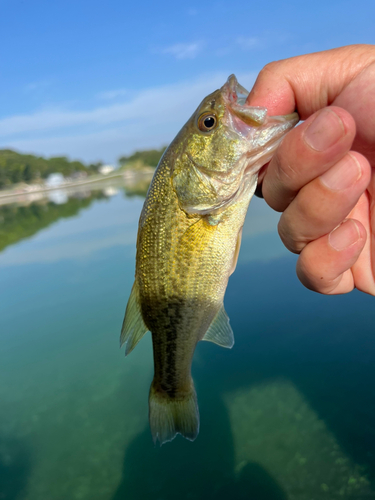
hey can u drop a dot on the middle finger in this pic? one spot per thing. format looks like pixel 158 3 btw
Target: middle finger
pixel 325 202
pixel 306 152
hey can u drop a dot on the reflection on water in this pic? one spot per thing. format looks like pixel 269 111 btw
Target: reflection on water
pixel 27 215
pixel 19 222
pixel 137 188
pixel 287 414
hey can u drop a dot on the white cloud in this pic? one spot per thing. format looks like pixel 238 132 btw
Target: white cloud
pixel 40 85
pixel 113 94
pixel 150 118
pixel 223 51
pixel 267 39
pixel 184 50
pixel 248 43
pixel 104 145
pixel 150 104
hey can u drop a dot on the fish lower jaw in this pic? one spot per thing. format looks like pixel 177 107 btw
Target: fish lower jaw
pixel 261 156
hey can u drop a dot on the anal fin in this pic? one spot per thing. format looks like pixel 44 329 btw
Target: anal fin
pixel 133 327
pixel 220 331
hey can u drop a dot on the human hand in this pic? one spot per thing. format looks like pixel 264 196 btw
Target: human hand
pixel 322 176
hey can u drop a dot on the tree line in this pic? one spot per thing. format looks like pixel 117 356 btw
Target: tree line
pixel 17 167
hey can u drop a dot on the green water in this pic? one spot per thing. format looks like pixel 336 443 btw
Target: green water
pixel 287 414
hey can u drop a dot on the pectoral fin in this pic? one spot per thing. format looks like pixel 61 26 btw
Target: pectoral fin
pixel 220 331
pixel 133 327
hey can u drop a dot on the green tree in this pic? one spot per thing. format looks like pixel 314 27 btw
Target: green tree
pixel 149 157
pixel 17 167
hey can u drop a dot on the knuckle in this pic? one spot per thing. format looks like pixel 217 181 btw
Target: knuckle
pixel 307 276
pixel 288 236
pixel 304 275
pixel 309 214
pixel 314 278
pixel 271 67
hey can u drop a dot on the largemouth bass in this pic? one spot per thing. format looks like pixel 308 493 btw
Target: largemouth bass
pixel 188 242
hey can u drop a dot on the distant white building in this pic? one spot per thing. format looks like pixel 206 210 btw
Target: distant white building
pixel 54 180
pixel 110 191
pixel 106 169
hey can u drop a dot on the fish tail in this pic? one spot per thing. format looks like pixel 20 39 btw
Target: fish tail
pixel 172 415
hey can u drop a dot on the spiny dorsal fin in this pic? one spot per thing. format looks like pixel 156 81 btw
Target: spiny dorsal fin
pixel 133 327
pixel 220 331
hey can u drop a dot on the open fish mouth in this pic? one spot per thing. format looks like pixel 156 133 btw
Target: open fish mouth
pixel 262 133
pixel 253 120
pixel 236 95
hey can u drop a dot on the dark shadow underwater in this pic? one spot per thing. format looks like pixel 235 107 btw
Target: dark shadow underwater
pixel 14 468
pixel 202 470
pixel 323 345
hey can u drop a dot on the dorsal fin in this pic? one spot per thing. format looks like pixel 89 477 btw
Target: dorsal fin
pixel 220 331
pixel 133 327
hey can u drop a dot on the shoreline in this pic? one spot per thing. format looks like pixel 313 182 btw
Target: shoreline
pixel 127 175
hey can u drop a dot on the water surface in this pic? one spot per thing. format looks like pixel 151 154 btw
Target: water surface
pixel 287 414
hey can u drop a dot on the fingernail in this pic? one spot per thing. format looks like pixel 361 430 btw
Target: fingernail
pixel 324 131
pixel 345 235
pixel 342 175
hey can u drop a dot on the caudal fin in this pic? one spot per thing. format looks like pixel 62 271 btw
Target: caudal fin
pixel 170 416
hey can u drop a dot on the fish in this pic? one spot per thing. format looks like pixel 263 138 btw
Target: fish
pixel 188 242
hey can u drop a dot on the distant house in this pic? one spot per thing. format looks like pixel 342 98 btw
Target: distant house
pixel 106 169
pixel 54 180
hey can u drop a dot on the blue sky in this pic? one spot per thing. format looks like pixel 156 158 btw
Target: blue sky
pixel 96 80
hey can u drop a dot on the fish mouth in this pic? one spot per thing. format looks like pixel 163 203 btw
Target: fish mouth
pixel 262 133
pixel 235 95
pixel 266 139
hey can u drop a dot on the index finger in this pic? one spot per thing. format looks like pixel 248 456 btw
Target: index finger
pixel 310 82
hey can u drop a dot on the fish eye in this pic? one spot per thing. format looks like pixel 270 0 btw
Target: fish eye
pixel 207 122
